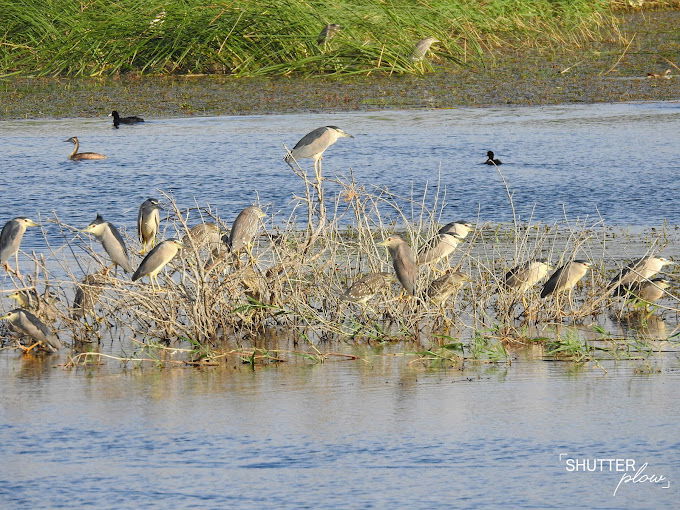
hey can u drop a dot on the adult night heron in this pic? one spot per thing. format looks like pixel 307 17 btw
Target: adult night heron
pixel 77 156
pixel 87 293
pixel 490 160
pixel 366 287
pixel 112 242
pixel 566 278
pixel 635 272
pixel 313 145
pixel 26 322
pixel 443 244
pixel 441 289
pixel 10 240
pixel 148 222
pixel 521 278
pixel 422 47
pixel 245 227
pixel 327 33
pixel 156 260
pixel 650 291
pixel 117 119
pixel 403 261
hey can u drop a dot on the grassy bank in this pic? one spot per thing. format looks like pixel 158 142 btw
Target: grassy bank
pixel 260 37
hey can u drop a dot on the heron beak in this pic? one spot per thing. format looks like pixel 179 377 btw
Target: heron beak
pixel 4 317
pixel 32 223
pixel 382 243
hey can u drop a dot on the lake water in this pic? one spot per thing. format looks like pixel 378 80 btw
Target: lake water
pixel 379 433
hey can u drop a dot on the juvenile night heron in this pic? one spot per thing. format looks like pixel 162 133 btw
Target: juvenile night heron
pixel 313 145
pixel 156 260
pixel 650 291
pixel 204 235
pixel 443 244
pixel 10 240
pixel 327 33
pixel 245 227
pixel 441 289
pixel 43 306
pixel 77 156
pixel 521 278
pixel 566 278
pixel 112 242
pixel 117 119
pixel 422 47
pixel 403 261
pixel 363 289
pixel 26 322
pixel 637 271
pixel 490 160
pixel 87 294
pixel 148 222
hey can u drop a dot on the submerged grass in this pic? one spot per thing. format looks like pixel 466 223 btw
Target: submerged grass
pixel 261 37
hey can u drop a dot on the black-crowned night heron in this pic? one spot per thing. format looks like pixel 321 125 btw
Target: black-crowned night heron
pixel 366 287
pixel 313 145
pixel 112 242
pixel 441 289
pixel 87 294
pixel 10 240
pixel 444 243
pixel 245 227
pixel 327 33
pixel 26 322
pixel 117 119
pixel 650 291
pixel 490 160
pixel 148 222
pixel 205 235
pixel 77 156
pixel 422 47
pixel 637 271
pixel 521 278
pixel 565 278
pixel 403 261
pixel 43 306
pixel 156 260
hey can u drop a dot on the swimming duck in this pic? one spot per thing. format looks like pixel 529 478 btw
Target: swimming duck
pixel 117 119
pixel 490 159
pixel 77 156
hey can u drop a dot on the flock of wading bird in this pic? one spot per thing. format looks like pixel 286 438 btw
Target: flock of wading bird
pixel 636 280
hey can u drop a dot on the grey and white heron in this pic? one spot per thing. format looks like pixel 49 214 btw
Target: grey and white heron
pixel 313 145
pixel 650 291
pixel 26 322
pixel 364 288
pixel 156 260
pixel 422 47
pixel 112 242
pixel 565 278
pixel 444 243
pixel 77 156
pixel 441 289
pixel 148 223
pixel 327 33
pixel 403 261
pixel 521 278
pixel 10 240
pixel 637 271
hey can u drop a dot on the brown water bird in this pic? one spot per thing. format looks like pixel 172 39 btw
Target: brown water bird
pixel 78 156
pixel 87 293
pixel 403 261
pixel 422 47
pixel 441 289
pixel 363 289
pixel 327 33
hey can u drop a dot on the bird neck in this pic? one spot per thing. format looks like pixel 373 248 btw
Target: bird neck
pixel 76 146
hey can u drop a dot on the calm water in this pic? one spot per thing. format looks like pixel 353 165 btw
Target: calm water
pixel 353 434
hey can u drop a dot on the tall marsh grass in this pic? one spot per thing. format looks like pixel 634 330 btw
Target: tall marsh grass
pixel 265 37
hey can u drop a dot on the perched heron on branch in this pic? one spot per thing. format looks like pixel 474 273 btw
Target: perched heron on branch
pixel 422 47
pixel 77 156
pixel 403 261
pixel 112 242
pixel 635 272
pixel 521 278
pixel 327 33
pixel 313 145
pixel 43 306
pixel 205 235
pixel 566 278
pixel 26 322
pixel 444 243
pixel 245 227
pixel 148 222
pixel 156 260
pixel 366 287
pixel 10 240
pixel 441 289
pixel 87 293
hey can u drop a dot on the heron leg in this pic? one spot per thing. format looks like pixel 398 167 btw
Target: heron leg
pixel 28 349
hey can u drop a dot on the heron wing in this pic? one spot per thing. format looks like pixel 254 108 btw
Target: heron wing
pixel 153 261
pixel 10 232
pixel 552 283
pixel 312 143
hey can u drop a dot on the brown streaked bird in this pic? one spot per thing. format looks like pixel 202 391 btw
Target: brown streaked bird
pixel 403 261
pixel 364 288
pixel 441 289
pixel 26 322
pixel 327 33
pixel 422 47
pixel 565 278
pixel 87 294
pixel 635 272
pixel 148 223
pixel 245 227
pixel 78 156
pixel 521 278
pixel 650 291
pixel 205 235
